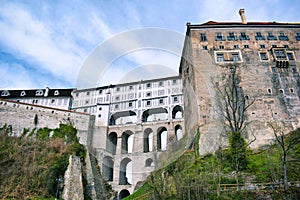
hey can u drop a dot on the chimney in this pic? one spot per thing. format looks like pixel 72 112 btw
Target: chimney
pixel 243 17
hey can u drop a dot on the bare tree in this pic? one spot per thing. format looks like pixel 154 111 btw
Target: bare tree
pixel 232 105
pixel 286 145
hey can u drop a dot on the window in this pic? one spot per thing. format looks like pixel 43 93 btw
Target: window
pixel 56 93
pixel 116 106
pixel 274 45
pixel 297 36
pixel 118 89
pixel 271 36
pixel 87 102
pixel 279 54
pixel 175 99
pixel 221 47
pixel 282 36
pixel 219 37
pixel 161 92
pixel 130 104
pixel 99 115
pixel 259 36
pixel 52 101
pixel 117 98
pixel 174 82
pixel 130 87
pixel 286 46
pixel 148 85
pixel 130 96
pixel 148 103
pixel 246 46
pixel 87 93
pixel 235 57
pixel 203 37
pixel 100 91
pixel 290 55
pixel 281 91
pixel 263 56
pixel 148 94
pixel 100 108
pixel 231 36
pixel 236 46
pixel 220 57
pixel 243 36
pixel 269 91
pixel 161 101
pixel 291 90
pixel 160 84
pixel 204 47
pixel 262 46
pixel 6 93
pixel 35 101
pixel 39 93
pixel 77 94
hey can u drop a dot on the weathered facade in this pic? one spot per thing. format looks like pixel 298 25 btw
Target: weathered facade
pixel 265 56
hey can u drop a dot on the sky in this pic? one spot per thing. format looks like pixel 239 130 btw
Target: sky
pixel 54 43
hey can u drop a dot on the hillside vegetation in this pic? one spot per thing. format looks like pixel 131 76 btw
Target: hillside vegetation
pixel 30 165
pixel 214 177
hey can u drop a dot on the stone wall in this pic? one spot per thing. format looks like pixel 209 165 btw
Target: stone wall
pixel 22 115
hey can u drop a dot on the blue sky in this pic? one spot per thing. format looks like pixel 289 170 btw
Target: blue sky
pixel 47 43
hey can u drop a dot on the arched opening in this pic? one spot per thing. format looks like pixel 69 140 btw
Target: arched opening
pixel 148 140
pixel 177 112
pixel 162 135
pixel 125 177
pixel 108 168
pixel 127 142
pixel 124 193
pixel 178 132
pixel 111 143
pixel 149 163
pixel 155 114
pixel 125 117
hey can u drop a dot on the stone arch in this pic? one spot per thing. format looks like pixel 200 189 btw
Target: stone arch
pixel 125 176
pixel 108 168
pixel 127 142
pixel 178 132
pixel 155 114
pixel 125 117
pixel 111 143
pixel 149 162
pixel 177 112
pixel 162 135
pixel 148 140
pixel 124 193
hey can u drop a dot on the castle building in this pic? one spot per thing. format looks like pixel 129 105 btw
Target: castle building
pixel 136 125
pixel 55 98
pixel 266 58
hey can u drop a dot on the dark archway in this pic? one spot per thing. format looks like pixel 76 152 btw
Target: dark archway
pixel 111 143
pixel 125 138
pixel 149 162
pixel 123 180
pixel 108 168
pixel 155 112
pixel 148 140
pixel 161 138
pixel 178 132
pixel 124 193
pixel 177 112
pixel 113 120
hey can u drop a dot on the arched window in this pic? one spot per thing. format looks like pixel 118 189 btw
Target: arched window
pixel 177 112
pixel 149 162
pixel 124 193
pixel 127 142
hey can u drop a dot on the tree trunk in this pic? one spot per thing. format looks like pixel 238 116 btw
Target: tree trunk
pixel 285 180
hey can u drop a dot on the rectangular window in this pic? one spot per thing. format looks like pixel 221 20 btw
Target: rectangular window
pixel 175 99
pixel 297 36
pixel 282 36
pixel 220 57
pixel 235 57
pixel 280 54
pixel 243 36
pixel 271 36
pixel 148 94
pixel 219 37
pixel 161 101
pixel 203 37
pixel 130 87
pixel 174 82
pixel 263 56
pixel 148 103
pixel 204 47
pixel 148 85
pixel 232 37
pixel 290 55
pixel 236 46
pixel 116 106
pixel 161 84
pixel 246 46
pixel 117 98
pixel 262 46
pixel 274 46
pixel 130 104
pixel 221 47
pixel 286 46
pixel 117 89
pixel 100 91
pixel 259 36
pixel 87 93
